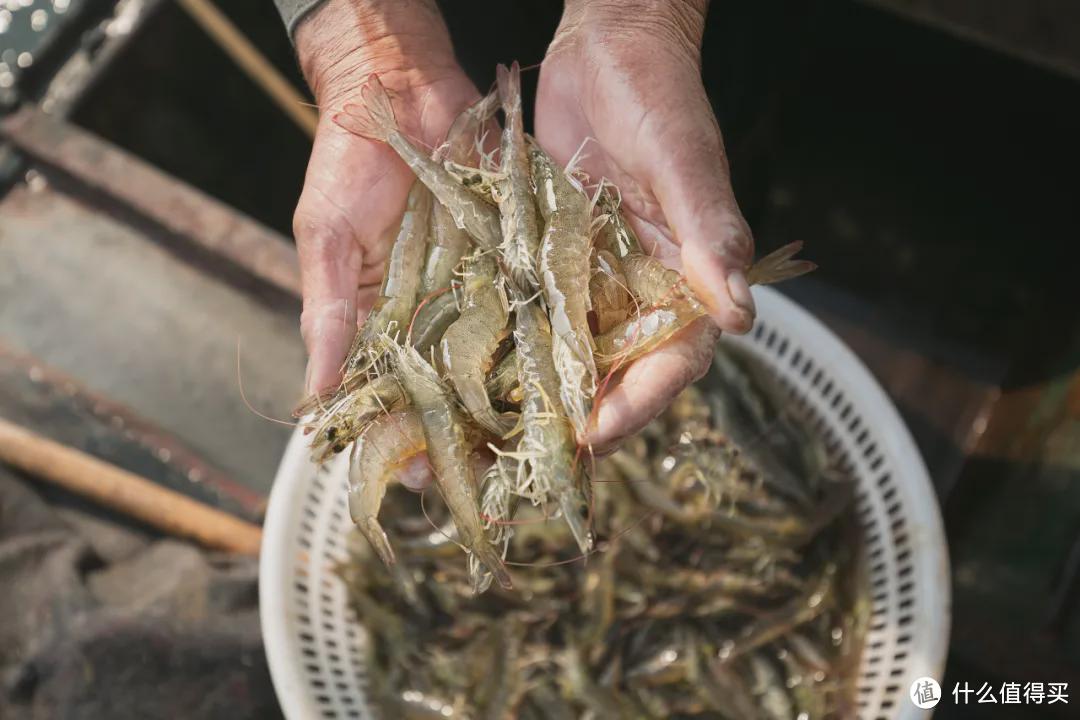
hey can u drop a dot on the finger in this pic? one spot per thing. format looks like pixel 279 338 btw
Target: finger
pixel 328 327
pixel 330 262
pixel 650 384
pixel 696 197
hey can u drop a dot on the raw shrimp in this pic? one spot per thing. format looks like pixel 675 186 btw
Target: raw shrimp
pixel 611 300
pixel 564 279
pixel 517 204
pixel 496 506
pixel 502 383
pixel 347 414
pixel 432 321
pixel 616 236
pixel 385 447
pixel 448 241
pixel 479 219
pixel 479 181
pixel 449 455
pixel 547 441
pixel 397 299
pixel 676 306
pixel 469 343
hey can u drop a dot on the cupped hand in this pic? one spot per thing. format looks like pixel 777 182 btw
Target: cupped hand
pixel 355 189
pixel 627 76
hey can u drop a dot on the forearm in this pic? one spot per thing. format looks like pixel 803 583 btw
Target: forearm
pixel 341 42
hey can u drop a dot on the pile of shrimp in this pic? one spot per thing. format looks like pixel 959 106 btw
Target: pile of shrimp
pixel 729 582
pixel 513 290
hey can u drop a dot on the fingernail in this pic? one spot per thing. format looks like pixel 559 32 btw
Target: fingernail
pixel 313 375
pixel 307 378
pixel 740 292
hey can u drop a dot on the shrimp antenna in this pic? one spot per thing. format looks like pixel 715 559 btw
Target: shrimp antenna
pixel 243 396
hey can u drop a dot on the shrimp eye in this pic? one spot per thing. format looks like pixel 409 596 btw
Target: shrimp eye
pixel 338 447
pixel 331 433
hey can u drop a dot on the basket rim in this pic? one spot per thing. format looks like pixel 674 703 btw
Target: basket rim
pixel 291 482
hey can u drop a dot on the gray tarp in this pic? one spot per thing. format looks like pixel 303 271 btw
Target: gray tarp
pixel 101 621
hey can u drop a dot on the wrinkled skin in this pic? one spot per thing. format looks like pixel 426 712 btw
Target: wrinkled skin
pixel 355 189
pixel 628 77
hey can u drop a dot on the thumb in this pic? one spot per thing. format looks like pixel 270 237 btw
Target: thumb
pixel 328 327
pixel 695 194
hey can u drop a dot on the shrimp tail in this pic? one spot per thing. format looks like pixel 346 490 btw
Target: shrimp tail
pixel 509 84
pixel 778 266
pixel 379 122
pixel 376 536
pixel 489 556
pixel 575 509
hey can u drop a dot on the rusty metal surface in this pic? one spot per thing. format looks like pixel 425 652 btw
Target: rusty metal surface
pixel 177 208
pixel 52 403
pixel 1043 32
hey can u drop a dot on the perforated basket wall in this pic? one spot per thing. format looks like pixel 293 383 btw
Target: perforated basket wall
pixel 316 648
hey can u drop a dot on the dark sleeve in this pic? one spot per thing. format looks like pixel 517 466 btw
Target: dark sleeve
pixel 293 11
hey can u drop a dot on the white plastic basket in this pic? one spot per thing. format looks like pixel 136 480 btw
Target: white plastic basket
pixel 315 646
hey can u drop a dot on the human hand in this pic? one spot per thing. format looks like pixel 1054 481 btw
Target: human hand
pixel 627 75
pixel 355 189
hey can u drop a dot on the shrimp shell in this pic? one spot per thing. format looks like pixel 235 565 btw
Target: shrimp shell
pixel 517 206
pixel 615 234
pixel 469 343
pixel 611 300
pixel 345 416
pixel 449 242
pixel 401 282
pixel 448 451
pixel 564 276
pixel 547 440
pixel 384 448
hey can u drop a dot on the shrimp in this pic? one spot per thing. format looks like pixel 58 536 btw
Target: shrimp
pixel 564 270
pixel 401 282
pixel 517 206
pixel 349 412
pixel 468 344
pixel 448 451
pixel 637 336
pixel 675 306
pixel 384 448
pixel 616 235
pixel 479 219
pixel 547 441
pixel 611 300
pixel 502 382
pixel 496 504
pixel 479 181
pixel 448 241
pixel 432 321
